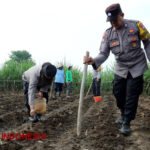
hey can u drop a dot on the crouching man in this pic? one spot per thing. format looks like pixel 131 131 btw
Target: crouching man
pixel 38 77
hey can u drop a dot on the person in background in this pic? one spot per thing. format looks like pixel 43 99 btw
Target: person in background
pixel 38 77
pixel 124 39
pixel 68 80
pixel 96 83
pixel 59 82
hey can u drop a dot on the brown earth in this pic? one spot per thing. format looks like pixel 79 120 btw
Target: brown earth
pixel 99 132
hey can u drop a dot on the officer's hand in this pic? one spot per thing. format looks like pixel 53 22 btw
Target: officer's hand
pixel 97 79
pixel 40 94
pixel 88 60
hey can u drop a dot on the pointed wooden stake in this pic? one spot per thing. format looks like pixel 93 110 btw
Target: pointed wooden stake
pixel 79 119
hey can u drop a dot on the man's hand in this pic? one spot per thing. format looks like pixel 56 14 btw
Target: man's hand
pixel 40 94
pixel 32 111
pixel 88 60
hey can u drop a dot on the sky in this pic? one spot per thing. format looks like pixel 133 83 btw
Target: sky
pixel 58 30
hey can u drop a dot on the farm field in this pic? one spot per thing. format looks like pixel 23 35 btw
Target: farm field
pixel 99 131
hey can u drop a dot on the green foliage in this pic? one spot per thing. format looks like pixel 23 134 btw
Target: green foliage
pixel 20 56
pixel 147 74
pixel 107 77
pixel 76 76
pixel 147 81
pixel 107 74
pixel 13 70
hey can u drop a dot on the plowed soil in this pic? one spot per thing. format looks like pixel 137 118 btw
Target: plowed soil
pixel 99 131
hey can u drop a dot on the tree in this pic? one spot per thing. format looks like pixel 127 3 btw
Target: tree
pixel 20 56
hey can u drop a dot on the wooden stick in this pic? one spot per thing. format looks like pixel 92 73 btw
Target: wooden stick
pixel 79 119
pixel 51 89
pixel 89 89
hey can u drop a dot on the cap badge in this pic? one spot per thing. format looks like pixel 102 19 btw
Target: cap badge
pixel 109 14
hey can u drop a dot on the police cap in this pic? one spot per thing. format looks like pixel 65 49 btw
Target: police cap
pixel 113 11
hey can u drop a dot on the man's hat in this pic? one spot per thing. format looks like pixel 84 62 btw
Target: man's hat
pixel 69 66
pixel 49 70
pixel 60 65
pixel 113 11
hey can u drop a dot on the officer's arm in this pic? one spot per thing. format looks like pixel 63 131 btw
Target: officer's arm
pixel 145 37
pixel 104 51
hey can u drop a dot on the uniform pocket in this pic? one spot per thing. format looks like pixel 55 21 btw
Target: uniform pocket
pixel 115 46
pixel 133 41
pixel 119 86
pixel 136 85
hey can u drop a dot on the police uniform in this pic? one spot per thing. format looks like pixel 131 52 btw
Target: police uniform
pixel 125 44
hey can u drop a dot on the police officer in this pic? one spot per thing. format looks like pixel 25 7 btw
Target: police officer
pixel 123 39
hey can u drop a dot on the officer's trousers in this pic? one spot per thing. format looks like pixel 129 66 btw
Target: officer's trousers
pixel 25 88
pixel 126 92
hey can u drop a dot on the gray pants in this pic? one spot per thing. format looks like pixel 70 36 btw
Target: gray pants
pixel 96 87
pixel 69 85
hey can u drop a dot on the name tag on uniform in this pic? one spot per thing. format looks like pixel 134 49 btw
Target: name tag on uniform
pixel 133 39
pixel 114 43
pixel 131 31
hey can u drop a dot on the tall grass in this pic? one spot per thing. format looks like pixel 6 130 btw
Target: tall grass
pixel 107 77
pixel 147 81
pixel 13 70
pixel 77 74
pixel 147 74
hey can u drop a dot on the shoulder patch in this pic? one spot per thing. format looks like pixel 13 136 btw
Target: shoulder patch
pixel 142 26
pixel 143 33
pixel 104 37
